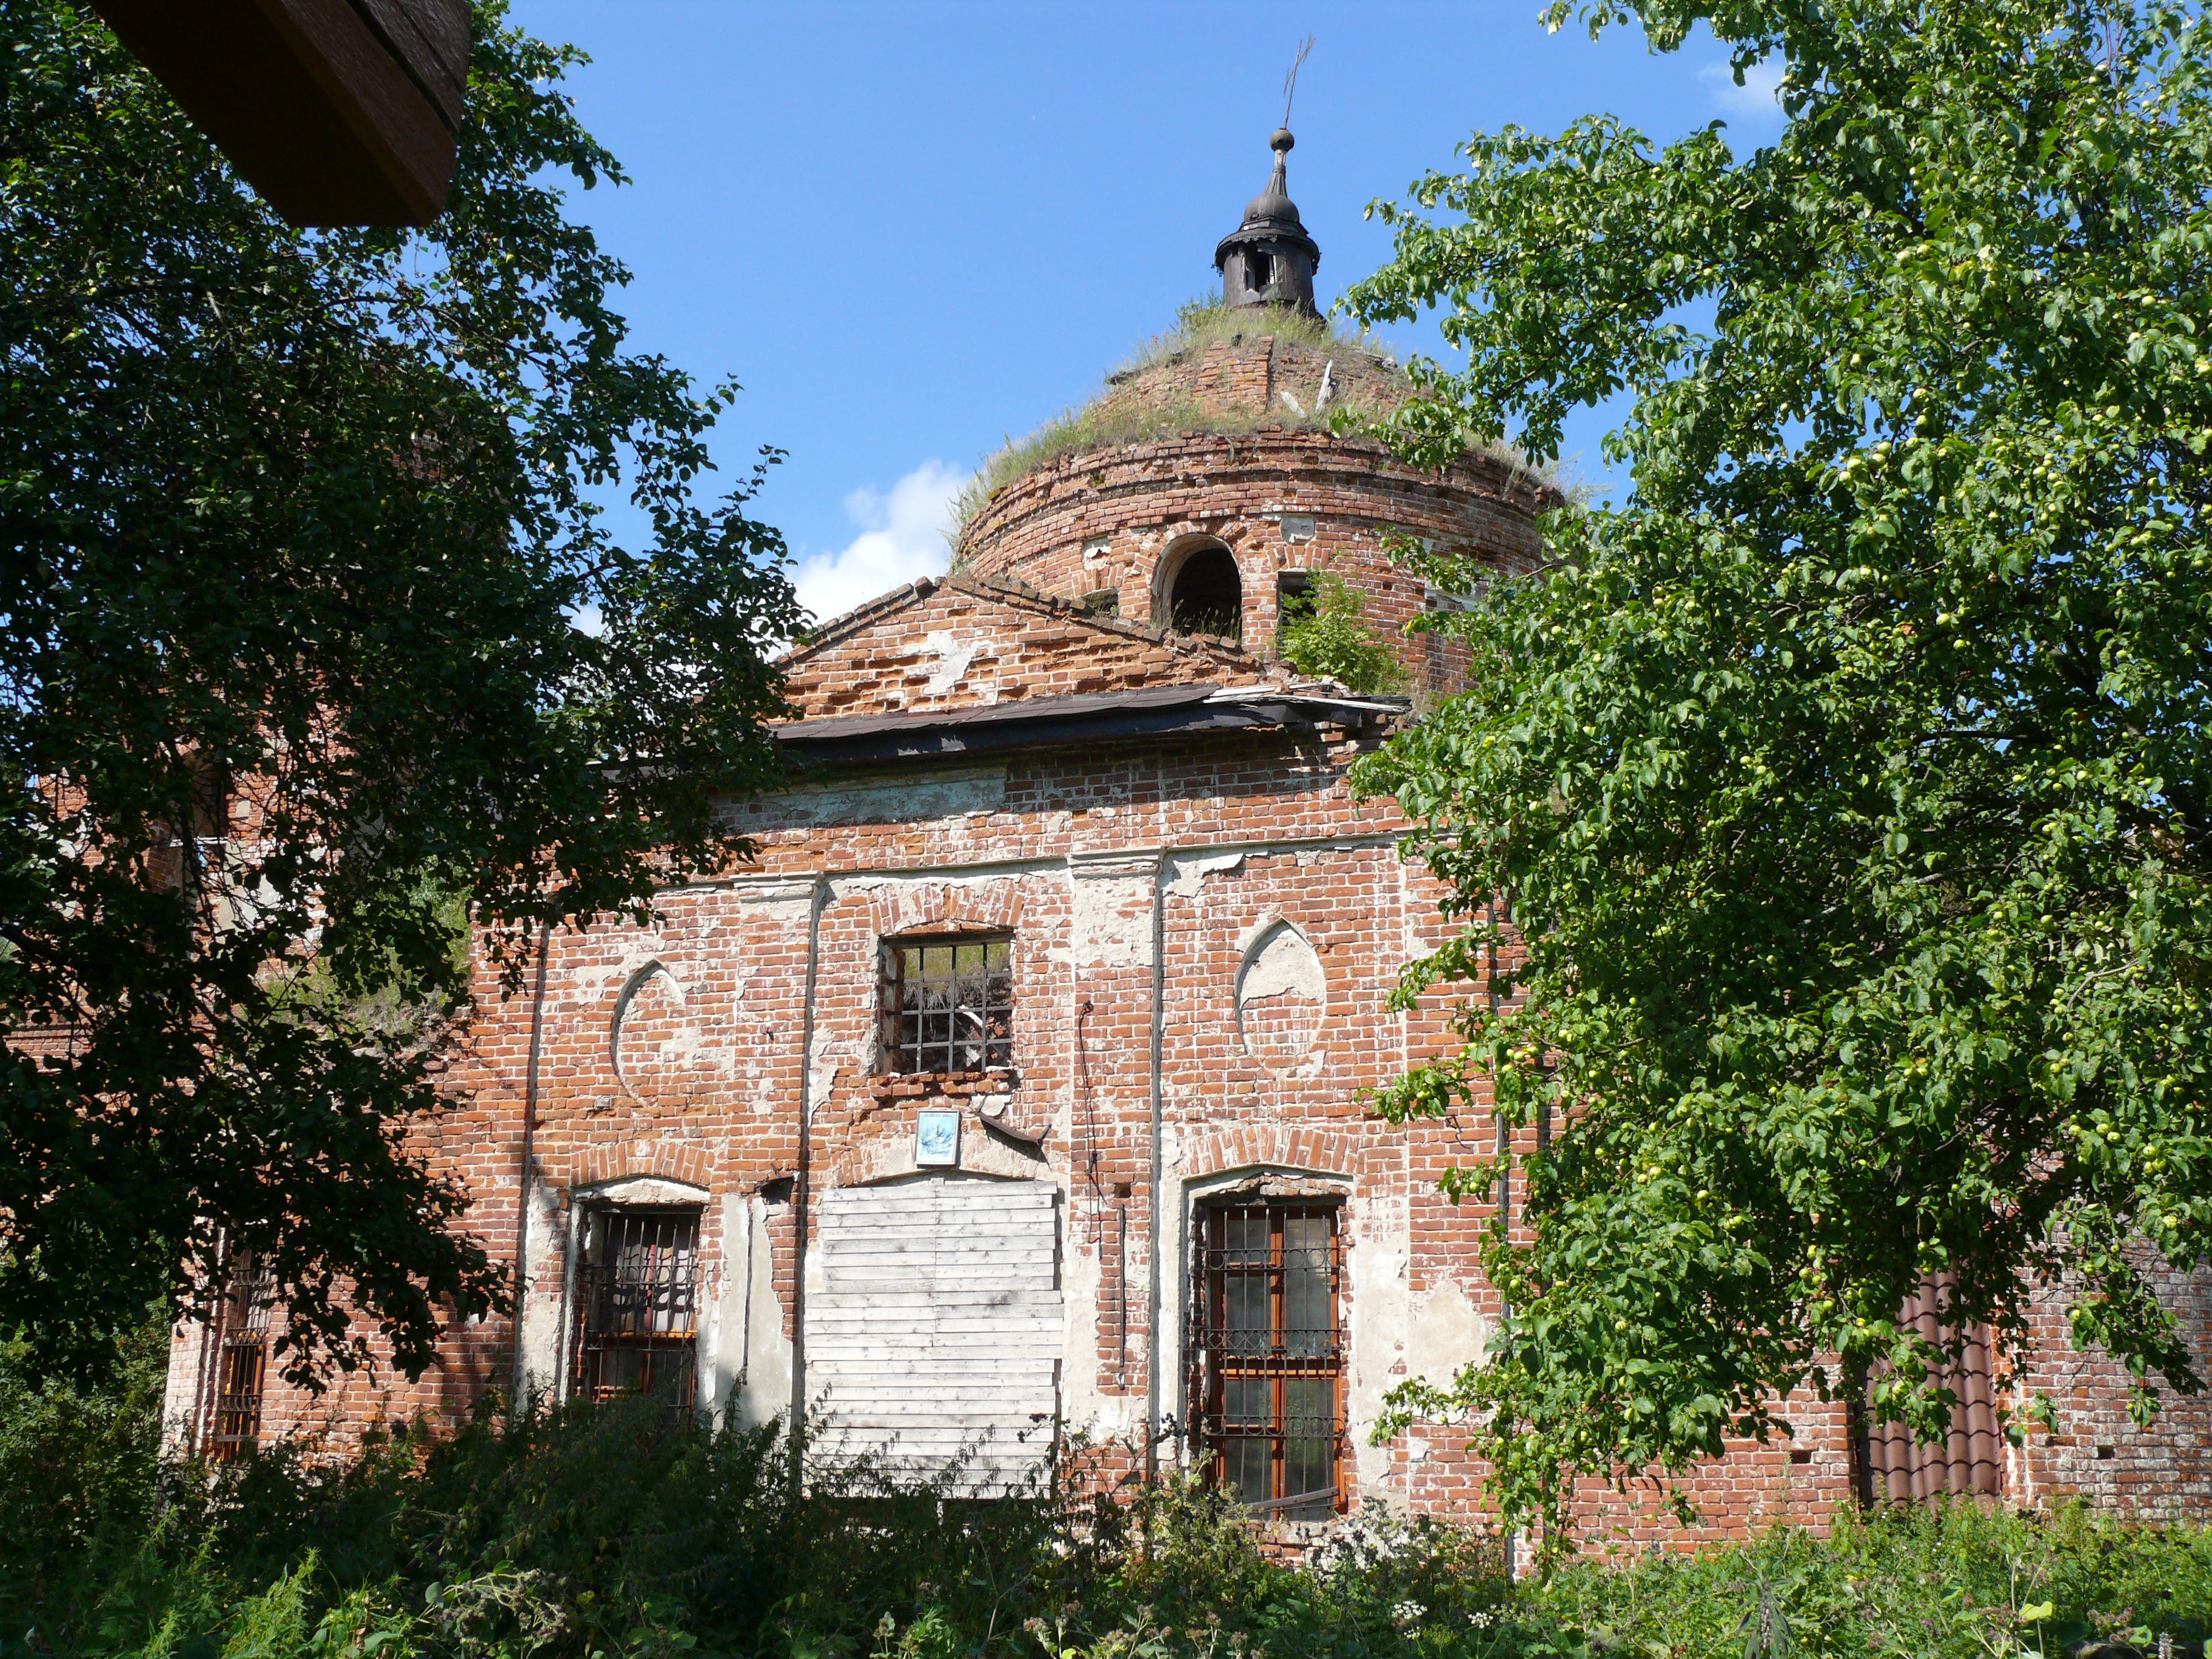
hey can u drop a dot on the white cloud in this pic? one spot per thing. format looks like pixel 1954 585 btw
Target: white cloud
pixel 901 537
pixel 1758 98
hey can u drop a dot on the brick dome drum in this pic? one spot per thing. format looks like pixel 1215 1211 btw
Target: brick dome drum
pixel 1227 444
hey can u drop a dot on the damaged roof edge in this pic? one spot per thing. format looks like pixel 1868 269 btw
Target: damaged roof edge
pixel 1045 722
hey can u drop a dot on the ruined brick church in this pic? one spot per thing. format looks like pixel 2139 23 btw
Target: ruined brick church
pixel 1014 1090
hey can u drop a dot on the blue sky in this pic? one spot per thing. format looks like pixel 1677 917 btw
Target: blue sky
pixel 913 230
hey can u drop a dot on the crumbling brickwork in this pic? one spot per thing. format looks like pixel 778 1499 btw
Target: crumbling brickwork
pixel 1281 500
pixel 1205 925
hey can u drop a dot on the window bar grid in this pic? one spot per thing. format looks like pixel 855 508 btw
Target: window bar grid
pixel 638 1302
pixel 241 1362
pixel 948 1004
pixel 1268 1354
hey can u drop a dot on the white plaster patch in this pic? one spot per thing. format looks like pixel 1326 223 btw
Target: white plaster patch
pixel 1192 870
pixel 1446 1333
pixel 1281 993
pixel 881 800
pixel 1377 1270
pixel 821 1079
pixel 1110 923
pixel 1283 965
pixel 953 655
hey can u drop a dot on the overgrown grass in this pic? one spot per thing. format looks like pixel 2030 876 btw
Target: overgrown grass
pixel 623 1532
pixel 1201 323
pixel 1204 322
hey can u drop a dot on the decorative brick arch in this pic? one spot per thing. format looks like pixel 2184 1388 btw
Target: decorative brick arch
pixel 926 907
pixel 649 1160
pixel 1309 1147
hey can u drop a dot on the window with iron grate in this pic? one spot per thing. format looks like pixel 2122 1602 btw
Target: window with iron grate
pixel 947 1003
pixel 241 1337
pixel 637 1302
pixel 1266 1382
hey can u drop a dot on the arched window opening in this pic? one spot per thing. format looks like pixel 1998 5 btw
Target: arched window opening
pixel 1206 596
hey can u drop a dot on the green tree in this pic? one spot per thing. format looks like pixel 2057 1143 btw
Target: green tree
pixel 1847 786
pixel 1328 635
pixel 292 530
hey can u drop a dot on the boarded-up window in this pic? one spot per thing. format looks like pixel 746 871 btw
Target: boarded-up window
pixel 241 1362
pixel 637 1302
pixel 1268 1353
pixel 948 1004
pixel 1894 1468
pixel 933 1334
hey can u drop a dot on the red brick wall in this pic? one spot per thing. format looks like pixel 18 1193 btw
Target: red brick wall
pixel 679 1051
pixel 967 641
pixel 1107 518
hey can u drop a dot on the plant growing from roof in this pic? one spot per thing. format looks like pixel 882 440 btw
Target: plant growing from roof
pixel 1328 638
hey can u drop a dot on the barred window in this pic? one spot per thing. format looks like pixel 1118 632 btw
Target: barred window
pixel 242 1338
pixel 1267 1384
pixel 948 1004
pixel 637 1302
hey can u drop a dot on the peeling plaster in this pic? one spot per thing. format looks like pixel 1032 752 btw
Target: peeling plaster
pixel 877 800
pixel 683 1043
pixel 954 653
pixel 544 1282
pixel 1109 919
pixel 1190 872
pixel 1377 1267
pixel 1282 964
pixel 1282 992
pixel 749 1369
pixel 1446 1333
pixel 1084 1406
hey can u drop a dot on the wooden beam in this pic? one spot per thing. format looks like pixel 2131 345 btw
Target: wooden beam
pixel 337 111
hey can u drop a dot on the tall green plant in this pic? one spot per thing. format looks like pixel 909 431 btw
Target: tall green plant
pixel 1328 636
pixel 1847 787
pixel 295 529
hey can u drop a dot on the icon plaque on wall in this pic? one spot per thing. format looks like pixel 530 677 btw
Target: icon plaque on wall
pixel 937 1137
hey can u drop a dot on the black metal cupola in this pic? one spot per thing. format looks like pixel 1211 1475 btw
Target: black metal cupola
pixel 1269 260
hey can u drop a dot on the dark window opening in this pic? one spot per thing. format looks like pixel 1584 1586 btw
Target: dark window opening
pixel 637 1302
pixel 1294 599
pixel 241 1362
pixel 1891 1467
pixel 1207 596
pixel 948 1004
pixel 1267 1383
pixel 1259 270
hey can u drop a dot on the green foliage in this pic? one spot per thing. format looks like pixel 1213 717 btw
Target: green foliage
pixel 1846 789
pixel 1329 637
pixel 620 1532
pixel 79 1469
pixel 292 526
pixel 1956 1583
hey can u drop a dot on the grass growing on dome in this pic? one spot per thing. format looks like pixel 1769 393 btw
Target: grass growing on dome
pixel 1204 322
pixel 1092 427
pixel 1103 422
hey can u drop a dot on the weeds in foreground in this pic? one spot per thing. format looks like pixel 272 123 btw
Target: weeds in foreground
pixel 624 1532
